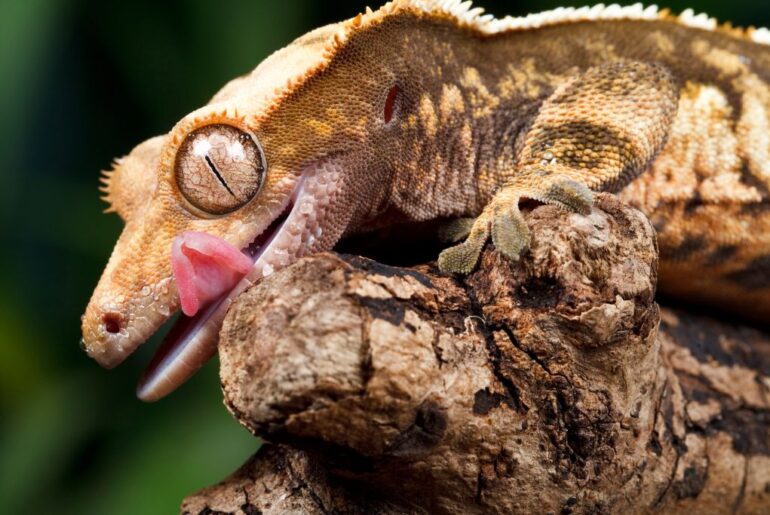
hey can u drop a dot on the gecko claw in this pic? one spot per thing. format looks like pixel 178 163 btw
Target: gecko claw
pixel 462 258
pixel 510 233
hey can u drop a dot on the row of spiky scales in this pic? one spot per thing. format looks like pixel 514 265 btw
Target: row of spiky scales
pixel 464 14
pixel 473 17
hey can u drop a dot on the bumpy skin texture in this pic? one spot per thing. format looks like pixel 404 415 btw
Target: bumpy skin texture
pixel 673 116
pixel 598 130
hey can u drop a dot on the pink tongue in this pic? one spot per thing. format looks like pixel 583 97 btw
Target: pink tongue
pixel 204 268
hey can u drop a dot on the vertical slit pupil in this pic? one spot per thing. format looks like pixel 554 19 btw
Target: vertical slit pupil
pixel 390 103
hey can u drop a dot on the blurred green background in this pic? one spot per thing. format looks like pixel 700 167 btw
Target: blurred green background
pixel 82 82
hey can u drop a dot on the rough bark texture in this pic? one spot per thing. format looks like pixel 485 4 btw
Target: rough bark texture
pixel 543 386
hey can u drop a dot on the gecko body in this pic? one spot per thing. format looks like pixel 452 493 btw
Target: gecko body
pixel 424 110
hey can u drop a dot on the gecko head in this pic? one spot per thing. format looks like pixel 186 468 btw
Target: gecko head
pixel 278 165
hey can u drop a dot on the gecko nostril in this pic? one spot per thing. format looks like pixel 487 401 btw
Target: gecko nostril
pixel 111 323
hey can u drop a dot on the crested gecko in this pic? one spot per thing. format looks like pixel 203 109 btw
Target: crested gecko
pixel 429 109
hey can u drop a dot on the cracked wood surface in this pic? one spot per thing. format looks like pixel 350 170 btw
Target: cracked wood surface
pixel 543 386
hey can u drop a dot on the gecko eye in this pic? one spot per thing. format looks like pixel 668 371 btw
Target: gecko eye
pixel 219 168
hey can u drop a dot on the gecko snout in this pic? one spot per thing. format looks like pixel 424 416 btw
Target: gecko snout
pixel 114 326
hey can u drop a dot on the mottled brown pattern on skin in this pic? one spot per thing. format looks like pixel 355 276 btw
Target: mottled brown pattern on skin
pixel 598 130
pixel 709 176
pixel 472 119
pixel 707 192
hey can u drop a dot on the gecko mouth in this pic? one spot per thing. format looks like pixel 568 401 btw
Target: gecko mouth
pixel 191 342
pixel 297 231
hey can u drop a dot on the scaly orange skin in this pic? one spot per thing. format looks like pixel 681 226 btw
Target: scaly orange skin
pixel 479 110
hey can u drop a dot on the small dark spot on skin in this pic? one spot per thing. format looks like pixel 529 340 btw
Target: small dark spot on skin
pixel 755 208
pixel 689 246
pixel 721 255
pixel 755 276
pixel 390 103
pixel 749 179
pixel 111 323
pixel 693 202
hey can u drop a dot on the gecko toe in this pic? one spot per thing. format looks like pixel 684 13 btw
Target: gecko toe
pixel 462 258
pixel 510 233
pixel 570 194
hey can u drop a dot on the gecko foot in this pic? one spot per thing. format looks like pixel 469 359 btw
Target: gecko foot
pixel 502 220
pixel 570 194
pixel 462 258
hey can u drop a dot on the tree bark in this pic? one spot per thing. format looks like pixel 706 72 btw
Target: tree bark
pixel 550 385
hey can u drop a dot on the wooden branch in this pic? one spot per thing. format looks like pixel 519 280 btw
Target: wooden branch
pixel 535 387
